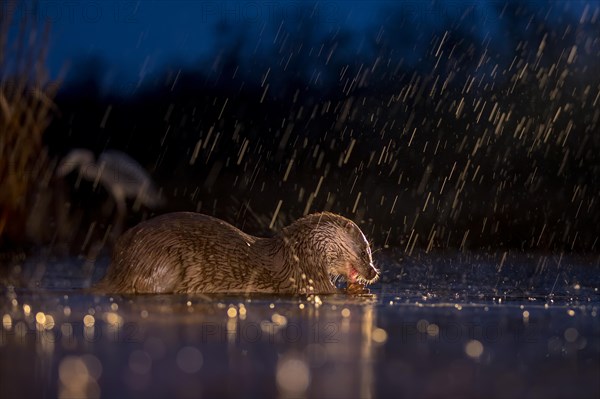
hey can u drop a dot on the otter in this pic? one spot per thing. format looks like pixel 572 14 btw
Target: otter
pixel 186 252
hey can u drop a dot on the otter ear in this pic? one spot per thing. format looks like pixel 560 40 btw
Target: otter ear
pixel 349 226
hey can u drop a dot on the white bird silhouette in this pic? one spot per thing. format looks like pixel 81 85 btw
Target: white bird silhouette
pixel 121 175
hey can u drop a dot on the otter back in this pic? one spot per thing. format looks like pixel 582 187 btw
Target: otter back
pixel 190 252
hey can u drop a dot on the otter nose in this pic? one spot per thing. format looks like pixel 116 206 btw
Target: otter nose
pixel 371 273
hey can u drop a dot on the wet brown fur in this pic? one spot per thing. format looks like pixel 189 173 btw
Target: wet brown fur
pixel 188 252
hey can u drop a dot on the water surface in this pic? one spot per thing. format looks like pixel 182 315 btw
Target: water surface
pixel 437 325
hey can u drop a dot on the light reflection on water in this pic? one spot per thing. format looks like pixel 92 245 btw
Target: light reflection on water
pixel 432 331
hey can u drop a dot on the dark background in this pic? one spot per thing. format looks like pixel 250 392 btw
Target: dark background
pixel 469 125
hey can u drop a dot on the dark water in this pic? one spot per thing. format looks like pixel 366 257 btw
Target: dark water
pixel 437 325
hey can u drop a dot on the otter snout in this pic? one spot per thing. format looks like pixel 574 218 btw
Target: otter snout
pixel 371 273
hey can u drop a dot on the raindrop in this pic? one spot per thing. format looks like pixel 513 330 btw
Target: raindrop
pixel 474 349
pixel 293 375
pixel 189 359
pixel 140 362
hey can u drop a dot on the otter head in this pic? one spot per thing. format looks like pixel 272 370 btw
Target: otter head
pixel 345 250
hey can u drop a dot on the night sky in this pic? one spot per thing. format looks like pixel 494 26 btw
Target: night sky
pixel 131 41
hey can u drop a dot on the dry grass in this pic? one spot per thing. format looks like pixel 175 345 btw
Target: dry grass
pixel 26 105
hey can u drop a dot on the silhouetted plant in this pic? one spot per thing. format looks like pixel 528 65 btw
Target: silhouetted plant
pixel 26 104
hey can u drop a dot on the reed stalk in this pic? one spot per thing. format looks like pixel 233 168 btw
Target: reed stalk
pixel 26 107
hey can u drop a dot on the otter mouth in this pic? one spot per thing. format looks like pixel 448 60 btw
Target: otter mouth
pixel 354 276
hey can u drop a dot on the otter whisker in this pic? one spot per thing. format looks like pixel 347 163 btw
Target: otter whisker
pixel 335 278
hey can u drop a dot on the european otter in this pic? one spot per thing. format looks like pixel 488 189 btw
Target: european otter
pixel 187 252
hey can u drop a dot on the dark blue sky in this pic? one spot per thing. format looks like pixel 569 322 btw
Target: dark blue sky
pixel 137 39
